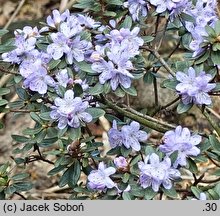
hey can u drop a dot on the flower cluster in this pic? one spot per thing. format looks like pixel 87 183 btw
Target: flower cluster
pixel 194 88
pixel 180 140
pixel 204 13
pixel 129 136
pixel 70 111
pixel 113 59
pixel 173 6
pixel 99 179
pixel 136 8
pixel 155 173
pixel 65 41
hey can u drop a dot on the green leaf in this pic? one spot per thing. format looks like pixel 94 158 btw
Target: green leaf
pixel 135 160
pixel 192 166
pixel 187 17
pixel 22 93
pixel 74 173
pixel 3 32
pixel 214 143
pixel 170 192
pixel 56 170
pixel 53 64
pixel 10 190
pixel 126 177
pixel 7 46
pixel 45 116
pixel 23 186
pixel 182 65
pixel 217 27
pixel 210 31
pixel 127 23
pixel 125 152
pixel 20 176
pixel 148 78
pixel 97 89
pixel 170 84
pixel 85 67
pixel 95 112
pixel 131 91
pixel 126 196
pixel 115 2
pixel 3 102
pixel 214 195
pixel 148 38
pixel 119 92
pixel 109 13
pixel 149 194
pixel 181 108
pixel 36 118
pixel 196 191
pixel 4 91
pixel 74 133
pixel 20 139
pixel 215 57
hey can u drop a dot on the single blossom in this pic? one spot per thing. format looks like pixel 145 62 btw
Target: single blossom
pixel 120 162
pixel 129 136
pixel 70 111
pixel 39 81
pixel 154 173
pixel 99 179
pixel 137 8
pixel 194 88
pixel 63 78
pixel 57 18
pixel 183 142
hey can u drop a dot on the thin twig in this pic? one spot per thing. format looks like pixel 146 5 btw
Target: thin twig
pixel 213 112
pixel 162 61
pixel 218 165
pixel 14 14
pixel 156 92
pixel 22 196
pixel 163 35
pixel 210 120
pixel 8 72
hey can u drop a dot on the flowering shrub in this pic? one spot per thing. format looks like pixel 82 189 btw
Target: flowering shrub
pixel 76 69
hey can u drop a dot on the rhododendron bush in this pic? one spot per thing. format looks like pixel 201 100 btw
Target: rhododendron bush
pixel 83 65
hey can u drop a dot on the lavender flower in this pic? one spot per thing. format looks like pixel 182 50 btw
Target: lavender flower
pixel 57 18
pixel 163 5
pixel 120 162
pixel 115 136
pixel 155 173
pixel 23 46
pixel 33 61
pixel 39 81
pixel 99 179
pixel 70 111
pixel 183 142
pixel 132 135
pixel 129 136
pixel 59 47
pixel 87 21
pixel 63 78
pixel 194 88
pixel 204 14
pixel 136 8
